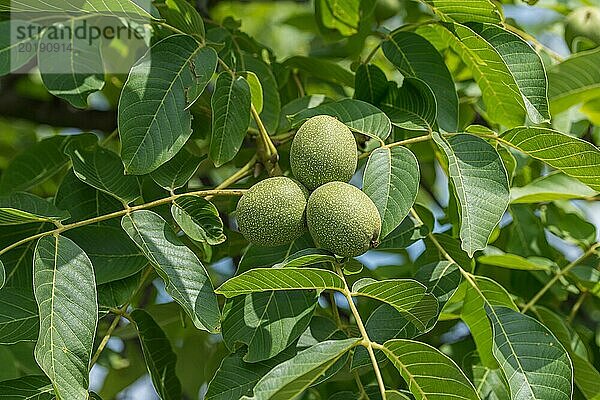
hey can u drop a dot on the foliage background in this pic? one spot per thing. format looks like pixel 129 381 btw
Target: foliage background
pixel 548 226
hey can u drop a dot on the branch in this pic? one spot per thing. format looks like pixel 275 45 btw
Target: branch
pixel 120 213
pixel 416 139
pixel 560 274
pixel 361 327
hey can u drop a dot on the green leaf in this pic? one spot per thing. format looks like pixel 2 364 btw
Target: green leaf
pixel 159 356
pixel 113 254
pixel 65 291
pixel 441 279
pixel 322 69
pixel 575 157
pixel 297 105
pixel 291 377
pixel 271 104
pixel 429 373
pixel 2 275
pixel 266 279
pixel 415 57
pixel 391 180
pixel 199 219
pixel 102 169
pixel 182 15
pixel 412 106
pixel 407 296
pixel 230 117
pixel 525 66
pixel 574 81
pixel 256 91
pixel 267 322
pixel 176 172
pixel 341 15
pixel 185 278
pixel 17 262
pixel 554 186
pixel 310 256
pixel 21 208
pixel 586 376
pixel 480 292
pixel 75 73
pixel 513 261
pixel 360 117
pixel 18 316
pixel 534 363
pixel 34 165
pixel 107 8
pixel 11 56
pixel 31 387
pixel 403 236
pixel 490 383
pixel 501 68
pixel 83 200
pixel 466 11
pixel 370 83
pixel 236 378
pixel 154 122
pixel 569 223
pixel 258 256
pixel 480 184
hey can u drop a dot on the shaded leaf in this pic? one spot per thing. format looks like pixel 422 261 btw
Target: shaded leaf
pixel 307 257
pixel 291 377
pixel 391 180
pixel 370 83
pixel 34 165
pixel 182 15
pixel 176 172
pixel 185 278
pixel 441 279
pixel 513 261
pixel 407 296
pixel 159 356
pixel 18 316
pixel 75 73
pixel 102 169
pixel 416 57
pixel 267 322
pixel 34 387
pixel 322 69
pixel 113 254
pixel 154 123
pixel 21 208
pixel 65 291
pixel 199 219
pixel 412 106
pixel 230 117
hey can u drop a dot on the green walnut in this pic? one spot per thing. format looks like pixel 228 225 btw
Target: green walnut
pixel 323 150
pixel 343 219
pixel 272 212
pixel 582 28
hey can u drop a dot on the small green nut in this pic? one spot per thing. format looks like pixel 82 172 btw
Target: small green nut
pixel 272 212
pixel 343 219
pixel 582 28
pixel 323 150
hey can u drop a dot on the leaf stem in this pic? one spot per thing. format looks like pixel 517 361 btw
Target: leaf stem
pixel 271 157
pixel 577 306
pixel 560 274
pixel 105 339
pixel 416 139
pixel 361 327
pixel 120 213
